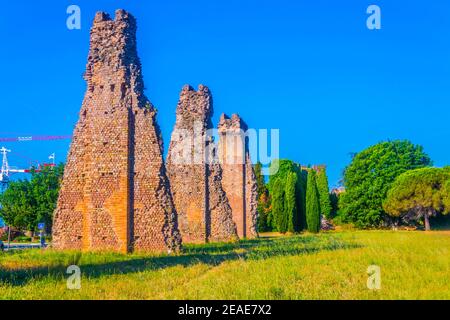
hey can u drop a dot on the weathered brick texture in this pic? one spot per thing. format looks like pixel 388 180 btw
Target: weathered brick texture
pixel 203 208
pixel 238 176
pixel 115 194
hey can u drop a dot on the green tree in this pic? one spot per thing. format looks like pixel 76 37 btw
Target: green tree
pixel 17 206
pixel 290 208
pixel 312 203
pixel 324 192
pixel 45 186
pixel 280 170
pixel 447 189
pixel 28 202
pixel 301 204
pixel 334 200
pixel 446 196
pixel 419 194
pixel 260 181
pixel 370 175
pixel 264 213
pixel 263 200
pixel 277 219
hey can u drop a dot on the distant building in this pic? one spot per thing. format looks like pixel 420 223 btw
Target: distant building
pixel 338 190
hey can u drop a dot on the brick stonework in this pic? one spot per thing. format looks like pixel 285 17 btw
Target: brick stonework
pixel 203 208
pixel 238 176
pixel 115 194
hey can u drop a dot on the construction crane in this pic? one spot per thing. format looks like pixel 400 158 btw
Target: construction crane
pixel 4 173
pixel 6 170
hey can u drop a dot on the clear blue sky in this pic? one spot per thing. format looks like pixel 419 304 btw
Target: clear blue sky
pixel 310 68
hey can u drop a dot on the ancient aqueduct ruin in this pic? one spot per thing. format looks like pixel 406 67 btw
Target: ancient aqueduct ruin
pixel 117 192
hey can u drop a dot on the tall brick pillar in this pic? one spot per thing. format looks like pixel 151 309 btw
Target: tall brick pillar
pixel 238 177
pixel 115 194
pixel 203 209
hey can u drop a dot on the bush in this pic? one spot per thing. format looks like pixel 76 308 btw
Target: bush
pixel 22 239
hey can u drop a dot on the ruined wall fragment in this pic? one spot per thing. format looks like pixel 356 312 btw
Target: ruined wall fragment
pixel 115 194
pixel 203 208
pixel 238 176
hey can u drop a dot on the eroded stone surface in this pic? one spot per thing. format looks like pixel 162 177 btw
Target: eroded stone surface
pixel 238 176
pixel 115 194
pixel 203 208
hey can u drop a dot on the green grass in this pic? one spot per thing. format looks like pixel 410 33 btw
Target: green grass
pixel 414 265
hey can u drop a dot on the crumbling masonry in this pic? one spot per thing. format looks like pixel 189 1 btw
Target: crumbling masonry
pixel 204 212
pixel 115 194
pixel 238 177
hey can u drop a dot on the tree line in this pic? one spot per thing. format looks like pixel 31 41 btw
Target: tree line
pixel 294 199
pixel 26 203
pixel 387 184
pixel 392 183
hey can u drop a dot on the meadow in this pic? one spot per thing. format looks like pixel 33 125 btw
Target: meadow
pixel 330 265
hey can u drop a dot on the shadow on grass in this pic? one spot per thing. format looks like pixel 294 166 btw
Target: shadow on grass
pixel 212 254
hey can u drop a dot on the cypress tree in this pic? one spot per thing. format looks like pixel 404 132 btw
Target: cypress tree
pixel 290 209
pixel 312 204
pixel 284 168
pixel 279 168
pixel 277 215
pixel 302 177
pixel 324 192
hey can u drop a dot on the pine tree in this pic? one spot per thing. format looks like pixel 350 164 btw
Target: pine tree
pixel 290 209
pixel 324 192
pixel 312 204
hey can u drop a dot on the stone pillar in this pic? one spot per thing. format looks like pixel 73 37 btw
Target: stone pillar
pixel 238 178
pixel 115 194
pixel 203 209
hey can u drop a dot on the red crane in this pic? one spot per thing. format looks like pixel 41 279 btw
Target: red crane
pixel 33 138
